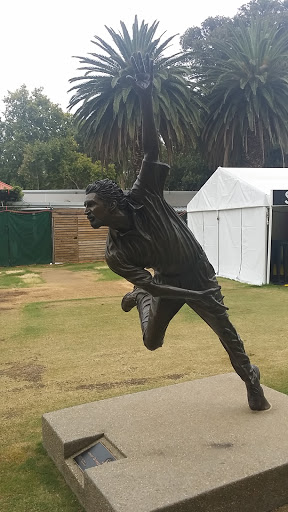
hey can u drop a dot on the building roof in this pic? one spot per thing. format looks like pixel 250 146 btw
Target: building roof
pixel 4 186
pixel 74 198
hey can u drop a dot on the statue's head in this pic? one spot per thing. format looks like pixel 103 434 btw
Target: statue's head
pixel 103 199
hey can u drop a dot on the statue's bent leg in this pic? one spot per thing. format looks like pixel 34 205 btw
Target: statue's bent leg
pixel 219 321
pixel 155 314
pixel 212 310
pixel 230 339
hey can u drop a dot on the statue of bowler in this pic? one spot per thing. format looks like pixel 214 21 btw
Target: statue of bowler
pixel 146 233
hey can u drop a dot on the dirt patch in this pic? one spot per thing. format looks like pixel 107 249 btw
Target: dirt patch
pixel 9 294
pixel 102 386
pixel 9 415
pixel 37 385
pixel 175 376
pixel 62 284
pixel 29 372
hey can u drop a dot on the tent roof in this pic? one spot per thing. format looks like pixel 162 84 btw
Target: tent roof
pixel 239 188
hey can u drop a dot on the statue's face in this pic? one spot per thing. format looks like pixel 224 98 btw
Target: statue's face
pixel 97 211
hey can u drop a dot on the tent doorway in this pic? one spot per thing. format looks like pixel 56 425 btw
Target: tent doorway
pixel 26 238
pixel 279 245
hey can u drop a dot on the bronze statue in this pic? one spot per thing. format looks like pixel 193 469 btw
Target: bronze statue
pixel 145 232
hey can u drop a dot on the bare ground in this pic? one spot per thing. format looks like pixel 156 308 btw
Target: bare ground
pixel 62 285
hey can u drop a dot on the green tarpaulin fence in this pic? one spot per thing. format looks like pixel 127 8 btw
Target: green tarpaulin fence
pixel 25 238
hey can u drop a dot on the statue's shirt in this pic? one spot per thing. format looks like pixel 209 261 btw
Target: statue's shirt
pixel 160 240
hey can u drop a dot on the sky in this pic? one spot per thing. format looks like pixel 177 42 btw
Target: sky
pixel 38 39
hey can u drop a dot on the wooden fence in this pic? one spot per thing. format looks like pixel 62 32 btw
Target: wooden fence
pixel 74 241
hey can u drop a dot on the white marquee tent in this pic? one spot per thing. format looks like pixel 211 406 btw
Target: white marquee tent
pixel 236 215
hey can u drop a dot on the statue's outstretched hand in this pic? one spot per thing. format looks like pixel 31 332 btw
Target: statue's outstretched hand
pixel 143 74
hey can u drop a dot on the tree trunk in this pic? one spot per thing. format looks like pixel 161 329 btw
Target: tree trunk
pixel 254 153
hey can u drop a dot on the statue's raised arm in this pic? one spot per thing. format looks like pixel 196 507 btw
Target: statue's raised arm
pixel 142 82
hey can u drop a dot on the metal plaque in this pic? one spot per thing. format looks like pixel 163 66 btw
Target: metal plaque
pixel 94 456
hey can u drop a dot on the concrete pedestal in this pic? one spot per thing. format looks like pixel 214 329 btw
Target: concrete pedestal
pixel 194 446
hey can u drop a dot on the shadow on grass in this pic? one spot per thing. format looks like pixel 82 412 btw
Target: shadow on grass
pixel 37 485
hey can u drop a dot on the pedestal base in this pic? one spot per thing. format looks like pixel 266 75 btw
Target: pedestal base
pixel 194 446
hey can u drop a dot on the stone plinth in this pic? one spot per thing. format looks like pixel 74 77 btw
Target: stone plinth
pixel 194 446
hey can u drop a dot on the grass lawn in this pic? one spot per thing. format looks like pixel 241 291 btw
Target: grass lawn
pixel 19 278
pixel 60 353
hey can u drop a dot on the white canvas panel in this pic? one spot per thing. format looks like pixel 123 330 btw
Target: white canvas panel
pixel 254 246
pixel 264 179
pixel 230 243
pixel 238 188
pixel 195 222
pixel 210 243
pixel 228 188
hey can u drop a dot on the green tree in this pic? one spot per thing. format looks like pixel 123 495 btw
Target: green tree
pixel 248 107
pixel 28 118
pixel 84 171
pixel 33 116
pixel 38 147
pixel 44 163
pixel 198 42
pixel 276 11
pixel 108 109
pixel 189 171
pixel 57 164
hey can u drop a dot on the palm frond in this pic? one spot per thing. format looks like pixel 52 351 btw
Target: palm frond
pixel 248 91
pixel 108 109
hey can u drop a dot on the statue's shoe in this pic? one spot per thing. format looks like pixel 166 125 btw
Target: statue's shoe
pixel 255 394
pixel 129 300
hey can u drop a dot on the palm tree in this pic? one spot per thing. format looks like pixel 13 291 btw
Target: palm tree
pixel 248 99
pixel 108 109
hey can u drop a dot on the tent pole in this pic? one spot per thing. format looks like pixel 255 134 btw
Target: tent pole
pixel 217 242
pixel 269 242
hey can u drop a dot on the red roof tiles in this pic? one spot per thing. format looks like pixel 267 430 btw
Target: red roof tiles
pixel 4 185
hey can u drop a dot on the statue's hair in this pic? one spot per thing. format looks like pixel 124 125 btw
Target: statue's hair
pixel 108 191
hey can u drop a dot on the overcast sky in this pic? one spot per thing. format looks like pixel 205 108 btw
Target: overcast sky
pixel 38 39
